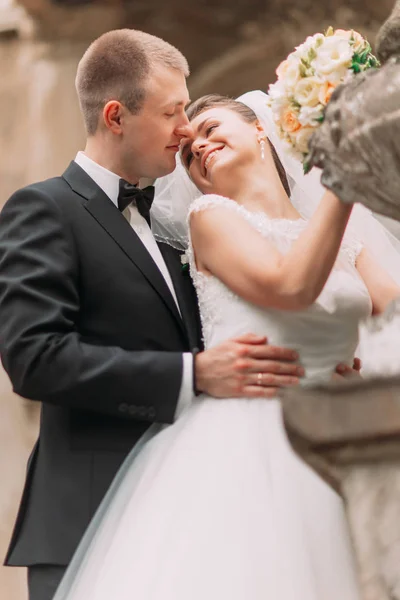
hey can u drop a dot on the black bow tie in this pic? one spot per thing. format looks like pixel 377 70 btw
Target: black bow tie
pixel 142 198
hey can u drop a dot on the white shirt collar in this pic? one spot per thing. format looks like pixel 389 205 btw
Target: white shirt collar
pixel 105 179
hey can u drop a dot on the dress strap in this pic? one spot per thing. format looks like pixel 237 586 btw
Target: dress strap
pixel 213 201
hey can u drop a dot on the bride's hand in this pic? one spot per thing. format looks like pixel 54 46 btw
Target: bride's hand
pixel 344 371
pixel 246 367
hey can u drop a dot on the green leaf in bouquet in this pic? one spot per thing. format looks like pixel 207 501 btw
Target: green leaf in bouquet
pixel 373 62
pixel 306 165
pixel 357 58
pixel 355 67
pixel 363 57
pixel 320 119
pixel 311 54
pixel 303 71
pixel 329 32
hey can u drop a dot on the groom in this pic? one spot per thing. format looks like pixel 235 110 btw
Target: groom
pixel 97 320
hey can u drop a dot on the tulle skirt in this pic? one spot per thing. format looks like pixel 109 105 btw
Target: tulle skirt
pixel 216 507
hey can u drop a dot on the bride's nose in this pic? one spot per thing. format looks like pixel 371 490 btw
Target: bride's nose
pixel 198 147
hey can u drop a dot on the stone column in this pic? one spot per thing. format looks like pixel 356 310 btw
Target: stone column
pixel 349 432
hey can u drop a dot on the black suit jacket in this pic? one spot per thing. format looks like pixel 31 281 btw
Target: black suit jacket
pixel 89 327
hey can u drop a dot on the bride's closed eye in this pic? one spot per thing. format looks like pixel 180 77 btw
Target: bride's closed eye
pixel 210 128
pixel 187 155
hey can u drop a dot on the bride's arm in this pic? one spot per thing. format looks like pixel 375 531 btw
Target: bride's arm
pixel 228 247
pixel 381 287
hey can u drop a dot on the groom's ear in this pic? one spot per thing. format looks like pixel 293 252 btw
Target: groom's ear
pixel 112 113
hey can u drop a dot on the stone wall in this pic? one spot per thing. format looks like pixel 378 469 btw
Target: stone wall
pixel 229 50
pixel 40 123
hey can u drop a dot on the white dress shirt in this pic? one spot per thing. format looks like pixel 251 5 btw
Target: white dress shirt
pixel 109 183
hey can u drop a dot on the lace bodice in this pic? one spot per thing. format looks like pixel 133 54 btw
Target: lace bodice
pixel 324 334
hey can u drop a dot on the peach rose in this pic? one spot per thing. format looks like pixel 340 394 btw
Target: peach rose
pixel 325 92
pixel 289 121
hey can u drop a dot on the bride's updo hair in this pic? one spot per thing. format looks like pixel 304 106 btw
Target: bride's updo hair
pixel 217 101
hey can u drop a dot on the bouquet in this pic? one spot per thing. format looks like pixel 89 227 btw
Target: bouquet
pixel 306 80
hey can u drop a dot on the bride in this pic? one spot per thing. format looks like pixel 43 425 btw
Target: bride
pixel 217 506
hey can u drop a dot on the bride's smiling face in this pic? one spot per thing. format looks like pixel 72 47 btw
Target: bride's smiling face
pixel 223 144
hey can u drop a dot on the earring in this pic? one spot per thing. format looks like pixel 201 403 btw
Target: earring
pixel 262 147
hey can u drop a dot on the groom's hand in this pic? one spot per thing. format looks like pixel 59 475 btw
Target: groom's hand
pixel 246 367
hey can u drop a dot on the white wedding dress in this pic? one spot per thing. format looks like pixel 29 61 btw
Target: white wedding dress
pixel 217 506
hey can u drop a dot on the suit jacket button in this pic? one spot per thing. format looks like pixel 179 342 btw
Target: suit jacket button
pixel 151 412
pixel 123 407
pixel 142 411
pixel 133 409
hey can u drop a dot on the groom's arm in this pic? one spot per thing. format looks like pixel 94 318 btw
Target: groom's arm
pixel 41 349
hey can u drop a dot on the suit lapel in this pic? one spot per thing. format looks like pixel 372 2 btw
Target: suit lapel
pixel 109 217
pixel 185 293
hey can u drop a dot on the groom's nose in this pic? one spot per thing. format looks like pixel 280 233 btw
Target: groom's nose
pixel 185 130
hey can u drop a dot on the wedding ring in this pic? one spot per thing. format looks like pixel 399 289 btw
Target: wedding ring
pixel 259 378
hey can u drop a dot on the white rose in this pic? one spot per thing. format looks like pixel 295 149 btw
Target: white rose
pixel 312 41
pixel 277 91
pixel 333 58
pixel 288 72
pixel 356 39
pixel 292 74
pixel 307 91
pixel 309 114
pixel 343 33
pixel 301 138
pixel 278 98
pixel 281 69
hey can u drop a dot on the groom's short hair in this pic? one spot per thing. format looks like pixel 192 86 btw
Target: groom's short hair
pixel 116 66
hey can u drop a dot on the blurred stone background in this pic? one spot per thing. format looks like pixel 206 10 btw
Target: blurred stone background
pixel 232 47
